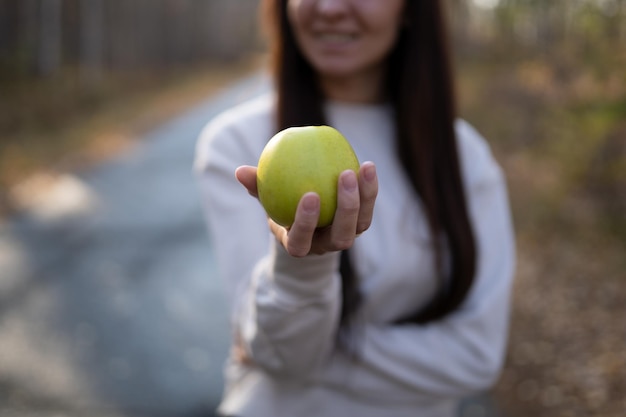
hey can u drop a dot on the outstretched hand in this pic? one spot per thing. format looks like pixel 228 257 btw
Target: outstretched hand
pixel 356 196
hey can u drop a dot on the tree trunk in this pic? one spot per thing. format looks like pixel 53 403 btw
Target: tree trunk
pixel 91 41
pixel 27 35
pixel 49 60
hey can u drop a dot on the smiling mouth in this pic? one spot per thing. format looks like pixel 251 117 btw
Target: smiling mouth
pixel 334 37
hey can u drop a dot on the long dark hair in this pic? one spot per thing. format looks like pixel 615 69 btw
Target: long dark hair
pixel 421 90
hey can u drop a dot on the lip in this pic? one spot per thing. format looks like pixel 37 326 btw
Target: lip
pixel 335 42
pixel 335 37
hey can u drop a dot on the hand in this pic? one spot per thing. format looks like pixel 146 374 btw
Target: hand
pixel 355 208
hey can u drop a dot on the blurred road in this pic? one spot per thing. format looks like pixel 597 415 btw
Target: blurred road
pixel 108 301
pixel 109 304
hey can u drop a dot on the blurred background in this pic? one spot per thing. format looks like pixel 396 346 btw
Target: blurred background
pixel 108 306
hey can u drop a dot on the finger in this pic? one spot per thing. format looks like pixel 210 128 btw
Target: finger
pixel 279 232
pixel 246 175
pixel 301 232
pixel 368 190
pixel 344 225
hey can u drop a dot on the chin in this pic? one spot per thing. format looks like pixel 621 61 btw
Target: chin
pixel 336 70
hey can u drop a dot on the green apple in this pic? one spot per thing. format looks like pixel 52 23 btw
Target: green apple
pixel 298 160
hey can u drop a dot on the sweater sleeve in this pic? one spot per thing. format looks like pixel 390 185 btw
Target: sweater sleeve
pixel 463 353
pixel 284 309
pixel 290 319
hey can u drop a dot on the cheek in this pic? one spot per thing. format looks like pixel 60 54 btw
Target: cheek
pixel 297 16
pixel 384 21
pixel 386 36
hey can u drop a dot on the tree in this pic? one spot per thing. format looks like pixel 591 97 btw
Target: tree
pixel 91 41
pixel 49 54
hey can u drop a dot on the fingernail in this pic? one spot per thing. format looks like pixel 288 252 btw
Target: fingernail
pixel 369 172
pixel 310 205
pixel 348 181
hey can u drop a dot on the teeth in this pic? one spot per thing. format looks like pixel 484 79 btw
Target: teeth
pixel 337 37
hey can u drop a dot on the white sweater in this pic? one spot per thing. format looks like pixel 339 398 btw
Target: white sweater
pixel 285 310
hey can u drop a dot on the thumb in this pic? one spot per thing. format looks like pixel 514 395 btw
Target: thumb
pixel 246 175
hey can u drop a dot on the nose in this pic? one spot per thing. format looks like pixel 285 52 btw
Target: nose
pixel 332 8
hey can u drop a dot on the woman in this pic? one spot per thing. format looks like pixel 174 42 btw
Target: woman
pixel 400 307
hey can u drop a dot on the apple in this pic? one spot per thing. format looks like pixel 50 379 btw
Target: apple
pixel 298 160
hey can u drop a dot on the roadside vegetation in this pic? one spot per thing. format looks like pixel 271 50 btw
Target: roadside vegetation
pixel 52 125
pixel 554 111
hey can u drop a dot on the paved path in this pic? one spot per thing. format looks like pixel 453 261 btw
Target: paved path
pixel 109 305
